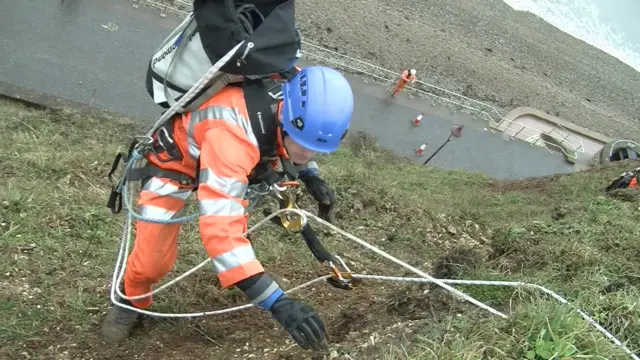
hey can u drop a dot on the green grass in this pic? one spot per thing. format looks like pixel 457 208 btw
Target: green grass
pixel 58 245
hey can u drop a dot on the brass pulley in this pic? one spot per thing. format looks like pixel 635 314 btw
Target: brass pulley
pixel 290 220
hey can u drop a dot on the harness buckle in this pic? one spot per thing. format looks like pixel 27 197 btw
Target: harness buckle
pixel 143 144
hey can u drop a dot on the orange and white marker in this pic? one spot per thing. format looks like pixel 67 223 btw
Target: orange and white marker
pixel 417 120
pixel 421 149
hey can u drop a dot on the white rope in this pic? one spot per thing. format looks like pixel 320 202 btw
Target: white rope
pixel 123 254
pixel 194 269
pixel 559 298
pixel 407 266
pixel 119 270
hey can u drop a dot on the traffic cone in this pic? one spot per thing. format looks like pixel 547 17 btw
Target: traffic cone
pixel 421 149
pixel 417 120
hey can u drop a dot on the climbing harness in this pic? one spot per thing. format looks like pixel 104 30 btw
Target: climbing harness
pixel 260 102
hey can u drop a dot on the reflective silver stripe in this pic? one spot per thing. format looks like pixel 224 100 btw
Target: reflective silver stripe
pixel 224 113
pixel 308 165
pixel 262 288
pixel 233 258
pixel 194 150
pixel 265 294
pixel 166 189
pixel 157 213
pixel 223 207
pixel 229 186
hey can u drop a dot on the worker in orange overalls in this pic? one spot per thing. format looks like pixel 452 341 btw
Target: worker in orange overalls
pixel 233 140
pixel 408 76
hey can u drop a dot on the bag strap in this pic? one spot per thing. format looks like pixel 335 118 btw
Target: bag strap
pixel 216 84
pixel 182 41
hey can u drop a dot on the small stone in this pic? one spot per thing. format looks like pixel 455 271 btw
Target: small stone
pixel 451 230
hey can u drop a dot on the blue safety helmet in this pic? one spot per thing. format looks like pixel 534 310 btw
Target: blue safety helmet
pixel 317 108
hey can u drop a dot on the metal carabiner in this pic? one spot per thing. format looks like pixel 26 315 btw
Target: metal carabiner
pixel 163 130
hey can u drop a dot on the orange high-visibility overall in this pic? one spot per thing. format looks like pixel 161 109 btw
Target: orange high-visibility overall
pixel 403 81
pixel 220 133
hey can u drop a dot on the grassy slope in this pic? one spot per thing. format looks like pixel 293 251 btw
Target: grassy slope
pixel 452 224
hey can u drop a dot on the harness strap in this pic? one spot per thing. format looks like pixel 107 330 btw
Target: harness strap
pixel 150 170
pixel 290 170
pixel 114 203
pixel 265 127
pixel 263 120
pixel 265 173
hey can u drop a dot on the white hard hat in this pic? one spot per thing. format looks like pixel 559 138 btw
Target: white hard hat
pixel 412 71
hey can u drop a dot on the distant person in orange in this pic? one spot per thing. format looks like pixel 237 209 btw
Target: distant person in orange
pixel 408 76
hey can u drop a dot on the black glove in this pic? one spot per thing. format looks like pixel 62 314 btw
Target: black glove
pixel 302 323
pixel 323 194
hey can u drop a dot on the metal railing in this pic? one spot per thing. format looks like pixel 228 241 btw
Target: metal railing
pixel 570 144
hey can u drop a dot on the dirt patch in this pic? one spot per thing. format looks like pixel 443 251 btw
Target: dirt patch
pixel 458 261
pixel 533 185
pixel 414 305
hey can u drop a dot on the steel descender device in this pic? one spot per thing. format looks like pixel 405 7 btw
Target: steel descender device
pixel 341 279
pixel 340 275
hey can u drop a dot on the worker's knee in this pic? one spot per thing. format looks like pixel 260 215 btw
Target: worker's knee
pixel 148 268
pixel 154 252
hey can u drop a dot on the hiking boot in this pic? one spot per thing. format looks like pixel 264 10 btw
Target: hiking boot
pixel 119 323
